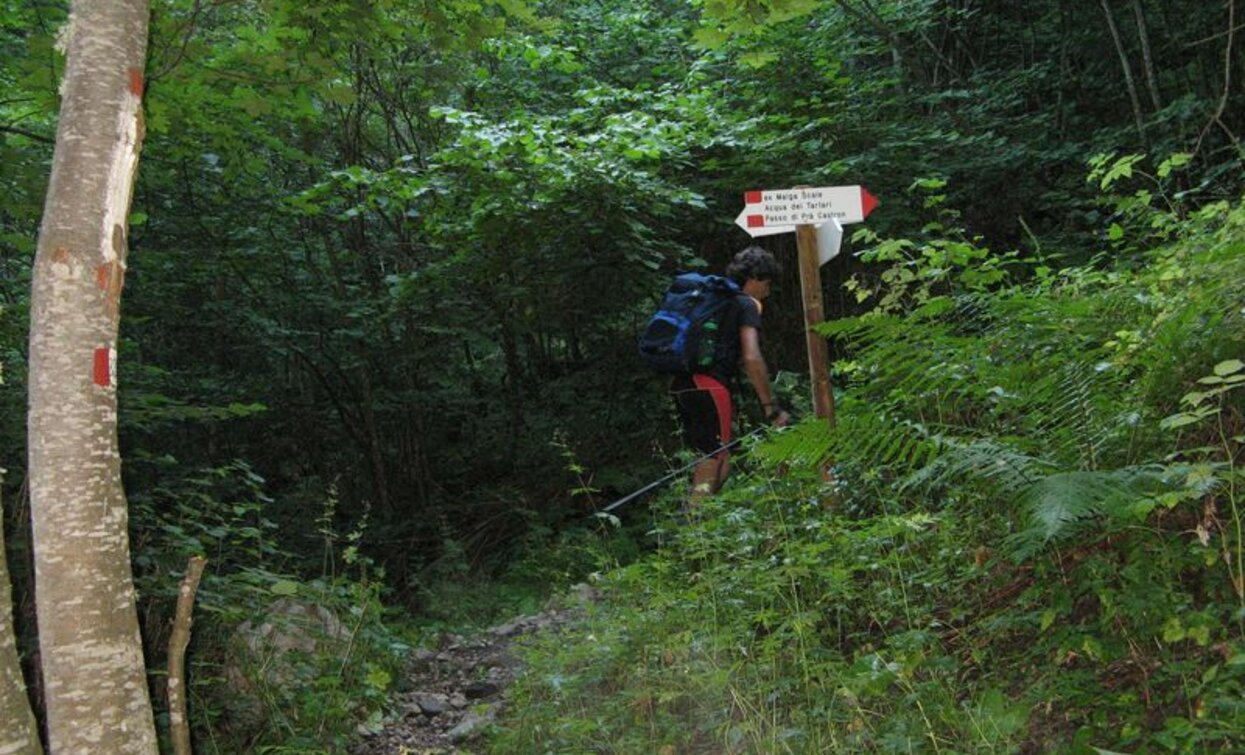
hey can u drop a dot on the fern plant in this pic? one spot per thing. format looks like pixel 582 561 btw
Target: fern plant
pixel 1044 394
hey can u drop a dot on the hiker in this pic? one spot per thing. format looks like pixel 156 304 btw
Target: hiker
pixel 703 398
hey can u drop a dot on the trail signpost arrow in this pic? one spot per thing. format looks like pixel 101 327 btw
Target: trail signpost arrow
pixel 781 210
pixel 804 210
pixel 829 241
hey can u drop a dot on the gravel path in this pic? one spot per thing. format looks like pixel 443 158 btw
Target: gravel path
pixel 456 691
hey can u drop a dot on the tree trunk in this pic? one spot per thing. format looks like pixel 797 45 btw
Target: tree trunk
pixel 92 660
pixel 1147 56
pixel 19 734
pixel 1128 70
pixel 879 25
pixel 375 446
pixel 1065 73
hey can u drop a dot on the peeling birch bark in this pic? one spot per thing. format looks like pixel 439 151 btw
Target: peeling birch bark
pixel 94 677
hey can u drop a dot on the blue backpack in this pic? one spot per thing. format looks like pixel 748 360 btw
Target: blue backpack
pixel 682 336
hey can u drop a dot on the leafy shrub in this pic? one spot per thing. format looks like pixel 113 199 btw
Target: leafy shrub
pixel 328 685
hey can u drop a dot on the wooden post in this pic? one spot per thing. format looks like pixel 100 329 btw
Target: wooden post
pixel 818 354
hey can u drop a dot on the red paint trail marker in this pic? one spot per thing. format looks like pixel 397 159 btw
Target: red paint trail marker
pixel 104 368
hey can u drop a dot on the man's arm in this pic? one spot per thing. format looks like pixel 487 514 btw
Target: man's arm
pixel 758 375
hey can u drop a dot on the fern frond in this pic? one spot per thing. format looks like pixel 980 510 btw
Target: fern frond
pixel 808 443
pixel 864 439
pixel 983 461
pixel 1074 412
pixel 1061 505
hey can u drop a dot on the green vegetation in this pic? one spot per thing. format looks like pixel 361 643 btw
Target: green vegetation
pixel 388 260
pixel 1033 542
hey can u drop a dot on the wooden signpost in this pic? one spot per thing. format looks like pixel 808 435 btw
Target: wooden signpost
pixel 803 210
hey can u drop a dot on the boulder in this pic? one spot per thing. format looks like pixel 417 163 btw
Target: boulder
pixel 268 653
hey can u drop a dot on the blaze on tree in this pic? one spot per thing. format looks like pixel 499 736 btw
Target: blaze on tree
pixel 94 681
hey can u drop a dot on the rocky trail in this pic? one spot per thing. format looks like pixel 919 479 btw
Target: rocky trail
pixel 454 692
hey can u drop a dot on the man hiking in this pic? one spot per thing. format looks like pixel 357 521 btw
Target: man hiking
pixel 703 397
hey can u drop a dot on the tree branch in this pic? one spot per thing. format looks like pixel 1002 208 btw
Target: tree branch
pixel 1217 118
pixel 1128 70
pixel 28 134
pixel 179 724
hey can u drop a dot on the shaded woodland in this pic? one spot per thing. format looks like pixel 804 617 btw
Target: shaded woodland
pixel 388 262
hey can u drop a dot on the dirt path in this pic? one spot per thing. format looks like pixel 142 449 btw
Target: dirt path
pixel 455 692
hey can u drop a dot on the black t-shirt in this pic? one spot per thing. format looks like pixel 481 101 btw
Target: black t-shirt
pixel 744 311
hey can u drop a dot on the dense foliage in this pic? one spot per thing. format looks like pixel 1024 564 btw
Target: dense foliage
pixel 388 261
pixel 1033 542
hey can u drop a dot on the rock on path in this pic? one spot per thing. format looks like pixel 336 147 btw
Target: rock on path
pixel 456 691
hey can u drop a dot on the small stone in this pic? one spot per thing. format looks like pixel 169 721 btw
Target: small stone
pixel 458 700
pixel 476 690
pixel 585 593
pixel 432 705
pixel 471 725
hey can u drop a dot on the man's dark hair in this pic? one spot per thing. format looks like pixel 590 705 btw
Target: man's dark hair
pixel 752 262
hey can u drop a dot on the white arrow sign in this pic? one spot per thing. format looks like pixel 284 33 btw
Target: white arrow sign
pixel 779 211
pixel 829 240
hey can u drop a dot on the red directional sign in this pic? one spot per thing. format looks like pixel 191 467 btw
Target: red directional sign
pixel 781 210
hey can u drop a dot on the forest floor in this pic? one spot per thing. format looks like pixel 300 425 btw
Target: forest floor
pixel 452 694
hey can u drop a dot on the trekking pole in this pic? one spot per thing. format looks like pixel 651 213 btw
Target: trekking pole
pixel 681 470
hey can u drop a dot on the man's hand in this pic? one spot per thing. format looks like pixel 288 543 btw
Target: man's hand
pixel 777 416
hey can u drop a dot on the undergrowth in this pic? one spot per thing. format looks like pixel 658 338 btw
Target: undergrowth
pixel 282 658
pixel 1032 542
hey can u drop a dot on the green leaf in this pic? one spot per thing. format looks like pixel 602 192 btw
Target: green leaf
pixel 1228 367
pixel 758 59
pixel 284 587
pixel 1195 398
pixel 1178 420
pixel 710 38
pixel 1178 160
pixel 928 184
pixel 1123 168
pixel 379 679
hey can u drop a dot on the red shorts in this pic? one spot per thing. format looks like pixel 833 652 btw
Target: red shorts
pixel 704 406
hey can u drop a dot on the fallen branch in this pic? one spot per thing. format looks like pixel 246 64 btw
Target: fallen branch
pixel 178 724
